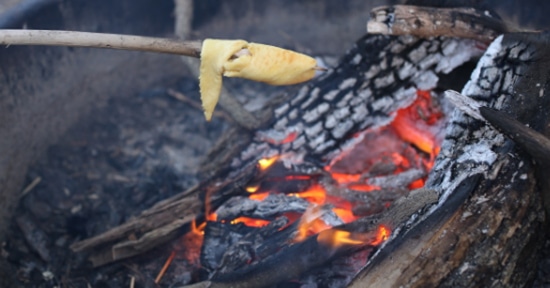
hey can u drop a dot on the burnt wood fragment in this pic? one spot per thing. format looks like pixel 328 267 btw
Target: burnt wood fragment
pixel 429 22
pixel 35 236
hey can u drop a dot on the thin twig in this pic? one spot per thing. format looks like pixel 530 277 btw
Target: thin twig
pixel 31 186
pixel 132 281
pixel 165 267
pixel 100 40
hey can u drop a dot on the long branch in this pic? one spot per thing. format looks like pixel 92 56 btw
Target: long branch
pixel 99 40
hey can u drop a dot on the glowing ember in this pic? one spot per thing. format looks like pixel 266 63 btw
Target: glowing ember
pixel 265 163
pixel 259 196
pixel 382 235
pixel 252 189
pixel 316 194
pixel 250 222
pixel 342 178
pixel 406 144
pixel 411 124
pixel 310 223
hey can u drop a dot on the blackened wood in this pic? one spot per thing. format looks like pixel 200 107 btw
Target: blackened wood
pixel 35 236
pixel 492 239
pixel 433 22
pixel 154 226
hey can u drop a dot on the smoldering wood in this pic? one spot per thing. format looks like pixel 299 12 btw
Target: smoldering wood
pixel 399 180
pixel 429 22
pixel 158 224
pixel 465 104
pixel 268 208
pixel 376 77
pixel 497 230
pixel 294 260
pixel 234 250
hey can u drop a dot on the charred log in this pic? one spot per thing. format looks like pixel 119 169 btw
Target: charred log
pixel 495 232
pixel 430 22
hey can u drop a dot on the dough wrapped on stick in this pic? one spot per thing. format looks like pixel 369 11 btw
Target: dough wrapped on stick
pixel 258 62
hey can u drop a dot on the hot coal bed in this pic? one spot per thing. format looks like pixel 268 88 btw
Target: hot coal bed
pixel 360 164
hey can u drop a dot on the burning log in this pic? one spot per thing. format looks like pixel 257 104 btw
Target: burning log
pixel 495 231
pixel 487 206
pixel 431 22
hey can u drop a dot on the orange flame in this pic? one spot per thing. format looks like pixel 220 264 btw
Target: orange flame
pixel 315 194
pixel 192 241
pixel 382 235
pixel 310 223
pixel 250 222
pixel 265 163
pixel 336 238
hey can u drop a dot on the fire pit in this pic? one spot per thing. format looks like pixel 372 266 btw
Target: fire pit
pixel 291 204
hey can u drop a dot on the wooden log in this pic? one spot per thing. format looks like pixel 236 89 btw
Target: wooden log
pixel 432 22
pixel 493 238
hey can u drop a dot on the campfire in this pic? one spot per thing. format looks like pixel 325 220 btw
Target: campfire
pixel 371 174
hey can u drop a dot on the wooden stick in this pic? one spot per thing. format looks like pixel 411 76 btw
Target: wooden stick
pixel 132 281
pixel 100 40
pixel 31 186
pixel 432 22
pixel 535 143
pixel 165 267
